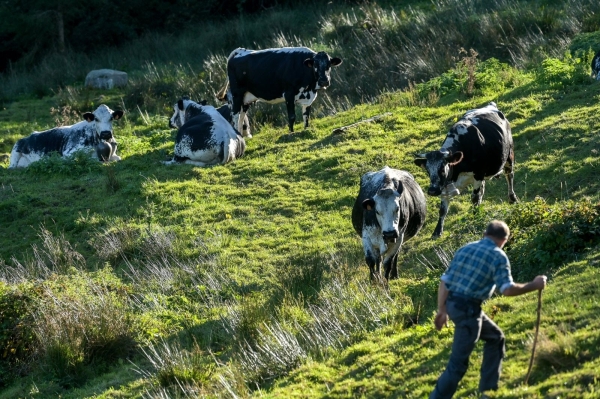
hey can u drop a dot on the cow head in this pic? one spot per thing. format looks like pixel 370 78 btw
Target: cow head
pixel 386 204
pixel 102 119
pixel 321 64
pixel 438 165
pixel 179 116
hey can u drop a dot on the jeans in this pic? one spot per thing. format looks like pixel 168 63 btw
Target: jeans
pixel 471 324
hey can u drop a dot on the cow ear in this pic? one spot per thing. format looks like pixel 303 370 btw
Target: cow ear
pixel 88 116
pixel 335 61
pixel 180 104
pixel 117 115
pixel 309 62
pixel 421 162
pixel 368 204
pixel 455 158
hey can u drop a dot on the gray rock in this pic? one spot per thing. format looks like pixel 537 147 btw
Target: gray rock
pixel 106 79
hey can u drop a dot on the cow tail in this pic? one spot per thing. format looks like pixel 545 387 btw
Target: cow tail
pixel 222 94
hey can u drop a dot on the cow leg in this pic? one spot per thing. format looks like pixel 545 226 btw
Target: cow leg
pixel 243 121
pixel 510 177
pixel 113 154
pixel 373 263
pixel 392 272
pixel 390 262
pixel 478 190
pixel 306 114
pixel 237 100
pixel 439 228
pixel 290 102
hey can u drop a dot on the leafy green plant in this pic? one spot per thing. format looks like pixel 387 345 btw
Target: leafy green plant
pixel 545 236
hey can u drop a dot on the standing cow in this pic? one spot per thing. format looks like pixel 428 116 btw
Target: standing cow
pixel 596 66
pixel 290 74
pixel 94 134
pixel 205 137
pixel 478 147
pixel 390 209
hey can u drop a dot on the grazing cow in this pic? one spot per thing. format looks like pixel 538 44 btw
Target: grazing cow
pixel 596 66
pixel 94 134
pixel 290 74
pixel 390 209
pixel 478 147
pixel 205 137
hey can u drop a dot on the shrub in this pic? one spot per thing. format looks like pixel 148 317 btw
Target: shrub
pixel 546 236
pixel 566 71
pixel 17 339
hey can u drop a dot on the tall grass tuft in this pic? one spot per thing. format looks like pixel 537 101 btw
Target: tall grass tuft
pixel 81 322
pixel 176 369
pixel 55 255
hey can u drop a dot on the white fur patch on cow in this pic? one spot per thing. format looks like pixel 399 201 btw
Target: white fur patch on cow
pixel 464 180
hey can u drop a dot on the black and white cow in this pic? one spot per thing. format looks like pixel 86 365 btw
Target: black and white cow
pixel 205 137
pixel 94 134
pixel 390 209
pixel 596 66
pixel 290 74
pixel 478 147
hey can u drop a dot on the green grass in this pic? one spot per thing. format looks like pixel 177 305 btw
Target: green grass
pixel 249 277
pixel 406 363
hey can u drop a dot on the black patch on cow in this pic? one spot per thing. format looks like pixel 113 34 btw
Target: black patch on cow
pixel 197 132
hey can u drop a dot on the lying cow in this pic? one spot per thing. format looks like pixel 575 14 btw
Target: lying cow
pixel 290 74
pixel 478 147
pixel 390 209
pixel 94 135
pixel 596 66
pixel 205 137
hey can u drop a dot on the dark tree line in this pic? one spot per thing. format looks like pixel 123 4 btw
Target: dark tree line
pixel 31 29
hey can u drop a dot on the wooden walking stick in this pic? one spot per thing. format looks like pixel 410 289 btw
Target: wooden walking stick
pixel 535 338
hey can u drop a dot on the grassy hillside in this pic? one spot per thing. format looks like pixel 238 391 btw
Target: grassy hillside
pixel 136 279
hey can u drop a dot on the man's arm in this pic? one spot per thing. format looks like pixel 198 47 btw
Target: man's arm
pixel 538 283
pixel 441 318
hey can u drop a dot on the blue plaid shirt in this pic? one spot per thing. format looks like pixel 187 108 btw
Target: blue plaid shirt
pixel 476 270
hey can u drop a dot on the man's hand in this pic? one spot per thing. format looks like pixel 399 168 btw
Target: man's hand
pixel 540 282
pixel 441 320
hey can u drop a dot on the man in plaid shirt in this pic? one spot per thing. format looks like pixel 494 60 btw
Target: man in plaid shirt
pixel 475 271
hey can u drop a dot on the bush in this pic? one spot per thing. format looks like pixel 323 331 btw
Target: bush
pixel 566 71
pixel 471 77
pixel 17 340
pixel 546 236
